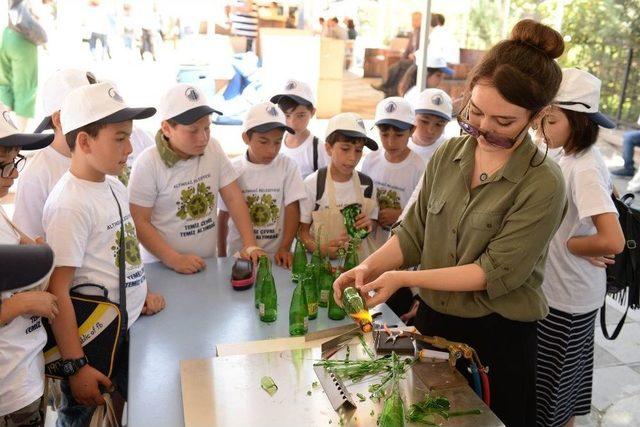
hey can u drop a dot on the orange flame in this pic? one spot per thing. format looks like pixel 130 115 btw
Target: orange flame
pixel 364 319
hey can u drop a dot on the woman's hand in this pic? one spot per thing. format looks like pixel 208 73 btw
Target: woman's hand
pixel 384 286
pixel 357 277
pixel 412 313
pixel 283 258
pixel 153 303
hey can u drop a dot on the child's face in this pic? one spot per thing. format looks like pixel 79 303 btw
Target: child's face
pixel 557 129
pixel 428 129
pixel 435 79
pixel 190 140
pixel 298 118
pixel 264 147
pixel 108 152
pixel 393 139
pixel 345 155
pixel 7 156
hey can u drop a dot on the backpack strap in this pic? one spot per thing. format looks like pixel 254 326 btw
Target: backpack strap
pixel 320 183
pixel 315 153
pixel 368 183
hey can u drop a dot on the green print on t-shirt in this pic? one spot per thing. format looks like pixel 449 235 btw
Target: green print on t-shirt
pixel 388 199
pixel 263 210
pixel 131 246
pixel 195 204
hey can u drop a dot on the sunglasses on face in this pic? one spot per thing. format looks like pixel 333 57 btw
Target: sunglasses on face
pixel 492 138
pixel 6 169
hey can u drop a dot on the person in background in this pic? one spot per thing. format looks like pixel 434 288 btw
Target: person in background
pixel 19 62
pixel 630 141
pixel 244 21
pixel 351 29
pixel 436 70
pixel 335 30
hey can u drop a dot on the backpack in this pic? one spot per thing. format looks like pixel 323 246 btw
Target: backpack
pixel 315 153
pixel 623 277
pixel 322 178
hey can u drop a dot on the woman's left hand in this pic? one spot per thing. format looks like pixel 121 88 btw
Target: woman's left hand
pixel 384 286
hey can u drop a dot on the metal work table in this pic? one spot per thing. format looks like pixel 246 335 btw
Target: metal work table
pixel 202 311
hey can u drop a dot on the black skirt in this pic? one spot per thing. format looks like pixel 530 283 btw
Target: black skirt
pixel 565 366
pixel 506 346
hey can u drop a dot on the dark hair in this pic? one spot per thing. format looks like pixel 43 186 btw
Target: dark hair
pixel 286 104
pixel 437 19
pixel 336 136
pixel 92 129
pixel 335 19
pixel 522 68
pixel 584 131
pixel 387 127
pixel 410 78
pixel 350 24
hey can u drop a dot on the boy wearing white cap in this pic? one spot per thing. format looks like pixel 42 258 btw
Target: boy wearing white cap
pixel 297 102
pixel 46 167
pixel 396 171
pixel 338 185
pixel 271 185
pixel 174 187
pixel 21 334
pixel 82 220
pixel 589 235
pixel 434 110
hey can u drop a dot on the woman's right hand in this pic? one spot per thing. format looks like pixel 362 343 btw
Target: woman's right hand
pixel 357 277
pixel 601 261
pixel 186 264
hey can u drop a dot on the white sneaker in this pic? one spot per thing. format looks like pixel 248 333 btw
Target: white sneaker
pixel 634 185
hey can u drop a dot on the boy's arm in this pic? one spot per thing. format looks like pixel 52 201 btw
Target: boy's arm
pixel 284 257
pixel 239 211
pixel 148 235
pixel 223 232
pixel 84 383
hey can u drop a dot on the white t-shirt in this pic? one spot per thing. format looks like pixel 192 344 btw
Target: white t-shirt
pixel 82 226
pixel 268 189
pixel 21 344
pixel 183 197
pixel 43 171
pixel 395 182
pixel 39 176
pixel 426 152
pixel 345 195
pixel 571 283
pixel 303 155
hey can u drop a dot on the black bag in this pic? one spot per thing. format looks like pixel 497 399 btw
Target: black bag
pixel 102 324
pixel 623 277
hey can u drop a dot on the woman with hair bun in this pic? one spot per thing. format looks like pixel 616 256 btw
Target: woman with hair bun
pixel 480 229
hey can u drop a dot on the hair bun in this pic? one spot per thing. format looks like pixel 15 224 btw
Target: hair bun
pixel 539 36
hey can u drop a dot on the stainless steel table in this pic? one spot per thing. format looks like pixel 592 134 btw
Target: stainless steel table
pixel 202 311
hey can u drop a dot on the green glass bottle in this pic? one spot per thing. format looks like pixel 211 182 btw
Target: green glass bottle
pixel 335 311
pixel 310 290
pixel 298 315
pixel 351 258
pixel 268 298
pixel 299 260
pixel 263 268
pixel 354 306
pixel 325 283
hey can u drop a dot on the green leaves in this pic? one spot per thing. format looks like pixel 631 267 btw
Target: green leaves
pixel 432 410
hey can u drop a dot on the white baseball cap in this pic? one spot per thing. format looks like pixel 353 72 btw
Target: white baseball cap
pixel 298 91
pixel 11 137
pixel 395 111
pixel 436 102
pixel 264 117
pixel 184 103
pixel 98 103
pixel 55 90
pixel 580 91
pixel 351 125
